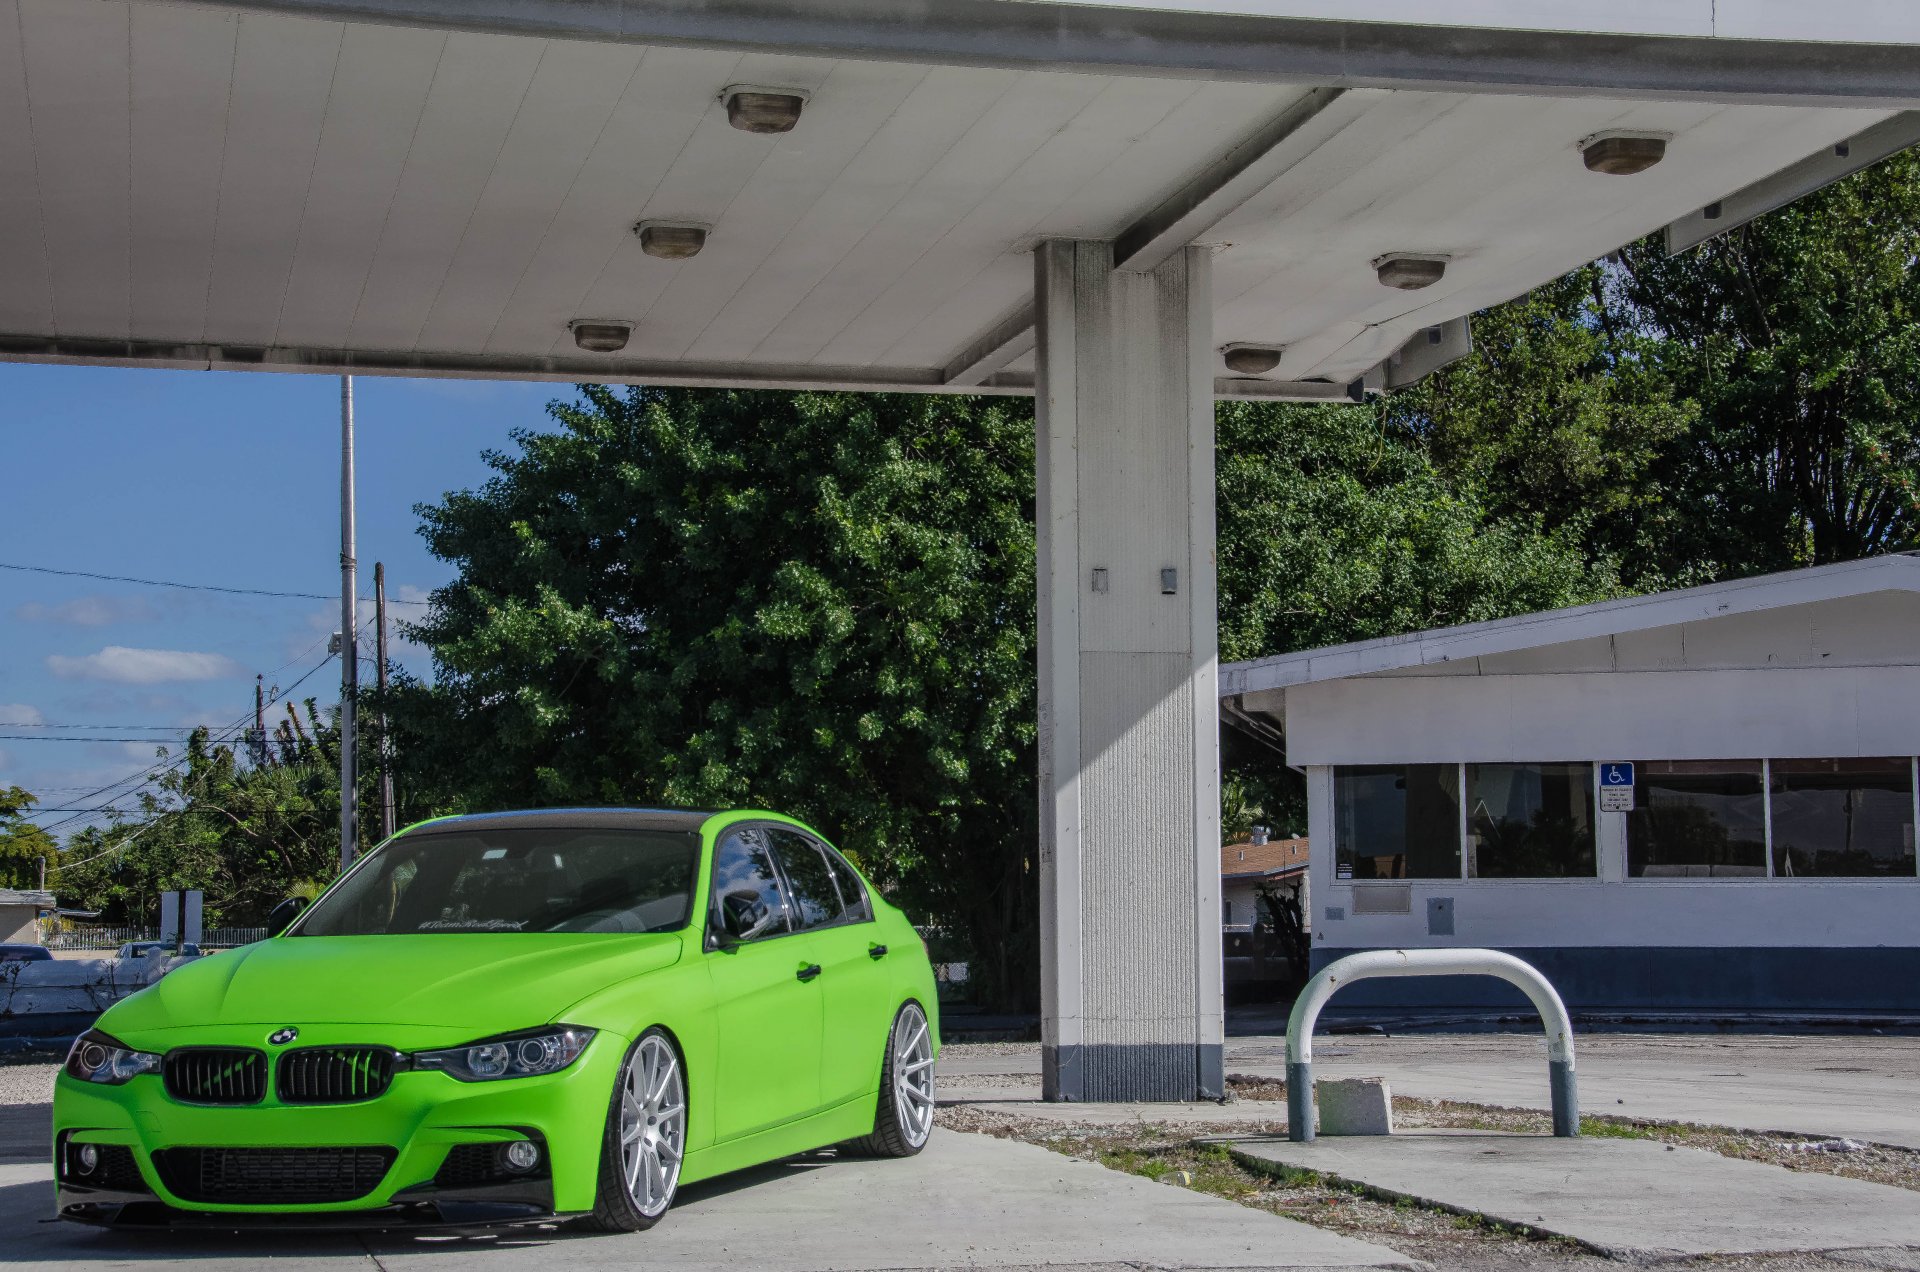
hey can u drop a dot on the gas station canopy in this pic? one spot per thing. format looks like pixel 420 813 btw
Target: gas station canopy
pixel 434 187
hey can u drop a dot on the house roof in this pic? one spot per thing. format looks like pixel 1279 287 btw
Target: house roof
pixel 1896 573
pixel 1263 861
pixel 26 896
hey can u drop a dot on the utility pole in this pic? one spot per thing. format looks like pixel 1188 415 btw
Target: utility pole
pixel 349 637
pixel 257 744
pixel 380 656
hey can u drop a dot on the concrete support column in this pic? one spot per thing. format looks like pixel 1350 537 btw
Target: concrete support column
pixel 1129 739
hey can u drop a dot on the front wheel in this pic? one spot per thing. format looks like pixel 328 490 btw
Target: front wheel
pixel 904 1118
pixel 646 1137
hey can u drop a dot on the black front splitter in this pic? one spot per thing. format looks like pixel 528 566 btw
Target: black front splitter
pixel 445 1216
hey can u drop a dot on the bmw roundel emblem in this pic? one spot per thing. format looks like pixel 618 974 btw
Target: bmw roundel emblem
pixel 281 1037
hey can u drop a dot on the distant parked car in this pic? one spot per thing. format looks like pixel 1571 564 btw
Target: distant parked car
pixel 24 953
pixel 143 949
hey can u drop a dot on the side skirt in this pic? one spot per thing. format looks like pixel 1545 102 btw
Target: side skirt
pixel 842 1122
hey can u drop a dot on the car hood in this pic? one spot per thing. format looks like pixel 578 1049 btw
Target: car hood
pixel 477 981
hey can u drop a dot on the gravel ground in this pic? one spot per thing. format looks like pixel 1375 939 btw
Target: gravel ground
pixel 27 1083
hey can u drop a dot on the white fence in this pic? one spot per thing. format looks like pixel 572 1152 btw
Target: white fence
pixel 59 934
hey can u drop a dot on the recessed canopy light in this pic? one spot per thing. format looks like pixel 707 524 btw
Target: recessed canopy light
pixel 752 108
pixel 671 240
pixel 1246 359
pixel 1622 154
pixel 1410 271
pixel 600 335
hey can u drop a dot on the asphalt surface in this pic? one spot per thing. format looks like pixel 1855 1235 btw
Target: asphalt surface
pixel 1859 1086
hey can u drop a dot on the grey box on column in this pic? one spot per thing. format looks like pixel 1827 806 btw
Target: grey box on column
pixel 1130 936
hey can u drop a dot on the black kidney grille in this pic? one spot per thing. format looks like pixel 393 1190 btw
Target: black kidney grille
pixel 216 1075
pixel 333 1075
pixel 272 1176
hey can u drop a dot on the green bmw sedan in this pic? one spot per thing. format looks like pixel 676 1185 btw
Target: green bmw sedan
pixel 514 1017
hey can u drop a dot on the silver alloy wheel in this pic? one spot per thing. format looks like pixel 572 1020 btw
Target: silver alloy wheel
pixel 653 1125
pixel 913 1075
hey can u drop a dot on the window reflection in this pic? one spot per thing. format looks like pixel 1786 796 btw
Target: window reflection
pixel 1397 821
pixel 1697 819
pixel 1842 818
pixel 1530 821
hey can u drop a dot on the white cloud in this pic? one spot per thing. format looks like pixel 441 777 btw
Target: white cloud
pixel 21 713
pixel 120 665
pixel 86 611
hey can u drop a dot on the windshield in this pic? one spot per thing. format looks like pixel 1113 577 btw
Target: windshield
pixel 529 880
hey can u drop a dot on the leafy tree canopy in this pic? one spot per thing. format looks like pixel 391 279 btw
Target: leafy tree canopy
pixel 23 845
pixel 817 603
pixel 247 835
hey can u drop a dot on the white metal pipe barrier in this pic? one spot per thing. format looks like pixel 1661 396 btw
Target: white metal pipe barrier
pixel 1378 963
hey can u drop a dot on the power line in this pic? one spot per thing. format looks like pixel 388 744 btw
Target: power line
pixel 142 778
pixel 188 587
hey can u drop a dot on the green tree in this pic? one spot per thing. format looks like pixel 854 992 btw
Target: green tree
pixel 246 835
pixel 1795 337
pixel 23 845
pixel 820 603
pixel 1334 526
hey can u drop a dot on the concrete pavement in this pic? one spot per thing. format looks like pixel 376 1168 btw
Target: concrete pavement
pixel 967 1201
pixel 1631 1199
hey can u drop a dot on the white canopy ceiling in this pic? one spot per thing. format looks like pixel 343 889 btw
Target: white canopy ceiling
pixel 251 186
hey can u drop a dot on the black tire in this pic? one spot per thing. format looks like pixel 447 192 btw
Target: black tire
pixel 895 1133
pixel 614 1208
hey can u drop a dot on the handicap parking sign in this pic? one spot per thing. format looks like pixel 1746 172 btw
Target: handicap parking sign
pixel 1616 787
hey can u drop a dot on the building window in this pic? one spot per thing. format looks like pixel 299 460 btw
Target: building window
pixel 1697 819
pixel 1396 821
pixel 1842 818
pixel 1226 912
pixel 1530 821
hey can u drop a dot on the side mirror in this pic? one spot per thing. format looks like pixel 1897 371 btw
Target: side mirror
pixel 281 917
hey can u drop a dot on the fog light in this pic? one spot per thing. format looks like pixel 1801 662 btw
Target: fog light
pixel 86 1159
pixel 522 1156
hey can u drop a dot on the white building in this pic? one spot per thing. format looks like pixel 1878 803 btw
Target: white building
pixel 1456 794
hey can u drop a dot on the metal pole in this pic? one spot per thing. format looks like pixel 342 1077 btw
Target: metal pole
pixel 380 656
pixel 349 642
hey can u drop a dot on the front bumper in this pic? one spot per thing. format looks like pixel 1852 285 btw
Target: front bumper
pixel 440 1133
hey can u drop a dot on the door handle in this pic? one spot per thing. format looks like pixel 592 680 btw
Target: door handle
pixel 808 972
pixel 876 951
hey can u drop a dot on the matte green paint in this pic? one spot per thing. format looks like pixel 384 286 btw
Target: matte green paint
pixel 774 1065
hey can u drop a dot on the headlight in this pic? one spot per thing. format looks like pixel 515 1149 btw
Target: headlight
pixel 519 1055
pixel 97 1057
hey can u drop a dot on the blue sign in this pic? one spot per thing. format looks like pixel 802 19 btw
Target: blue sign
pixel 1616 775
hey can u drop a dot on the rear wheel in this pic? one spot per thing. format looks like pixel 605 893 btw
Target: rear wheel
pixel 645 1140
pixel 904 1118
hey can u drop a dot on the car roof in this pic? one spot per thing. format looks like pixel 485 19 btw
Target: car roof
pixel 668 819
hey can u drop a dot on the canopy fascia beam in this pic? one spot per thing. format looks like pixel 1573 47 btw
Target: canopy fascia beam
pixel 1182 44
pixel 1009 340
pixel 1816 172
pixel 602 370
pixel 1237 176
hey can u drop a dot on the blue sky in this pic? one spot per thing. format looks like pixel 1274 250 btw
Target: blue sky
pixel 203 477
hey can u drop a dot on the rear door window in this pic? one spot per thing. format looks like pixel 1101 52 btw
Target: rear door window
pixel 816 897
